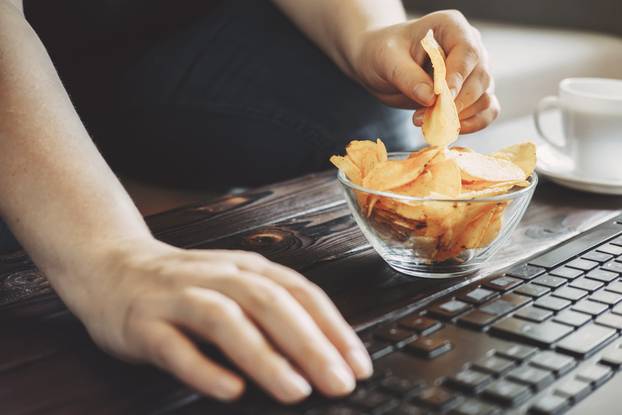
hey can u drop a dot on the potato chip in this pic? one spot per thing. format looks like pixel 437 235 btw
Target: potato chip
pixel 352 172
pixel 395 173
pixel 523 155
pixel 441 124
pixel 364 154
pixel 475 166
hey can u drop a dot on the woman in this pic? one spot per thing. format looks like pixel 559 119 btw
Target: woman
pixel 193 96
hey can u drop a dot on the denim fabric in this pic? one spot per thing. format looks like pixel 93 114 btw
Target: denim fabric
pixel 239 97
pixel 7 241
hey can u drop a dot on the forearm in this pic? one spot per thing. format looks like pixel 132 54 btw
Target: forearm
pixel 336 26
pixel 56 192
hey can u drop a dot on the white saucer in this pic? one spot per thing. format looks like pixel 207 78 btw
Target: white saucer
pixel 561 170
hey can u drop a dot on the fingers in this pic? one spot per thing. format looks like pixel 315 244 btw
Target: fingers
pixel 221 321
pixel 321 309
pixel 461 61
pixel 476 85
pixel 410 79
pixel 482 118
pixel 173 352
pixel 291 328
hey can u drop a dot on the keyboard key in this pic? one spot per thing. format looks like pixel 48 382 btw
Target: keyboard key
pixel 474 407
pixel 610 320
pixel 502 283
pixel 586 284
pixel 611 249
pixel 550 405
pixel 429 347
pixel 552 303
pixel 525 271
pixel 399 386
pixel 589 307
pixel 394 335
pixel 606 297
pixel 565 272
pixel 450 308
pixel 516 352
pixel 617 241
pixel 532 376
pixel 614 266
pixel 477 319
pixel 478 296
pixel 472 381
pixel 422 325
pixel 495 365
pixel 376 348
pixel 586 341
pixel 505 304
pixel 532 290
pixel 595 374
pixel 370 399
pixel 569 293
pixel 572 318
pixel 602 275
pixel 612 357
pixel 617 309
pixel 549 281
pixel 507 393
pixel 597 256
pixel 573 389
pixel 437 397
pixel 555 362
pixel 615 287
pixel 539 333
pixel 533 314
pixel 582 264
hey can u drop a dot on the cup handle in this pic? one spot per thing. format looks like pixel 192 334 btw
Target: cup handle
pixel 546 103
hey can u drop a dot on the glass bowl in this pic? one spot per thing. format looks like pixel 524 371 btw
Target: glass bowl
pixel 456 243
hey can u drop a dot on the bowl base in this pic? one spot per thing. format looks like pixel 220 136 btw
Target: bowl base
pixel 439 271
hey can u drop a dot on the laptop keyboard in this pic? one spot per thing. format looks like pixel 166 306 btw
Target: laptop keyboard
pixel 537 339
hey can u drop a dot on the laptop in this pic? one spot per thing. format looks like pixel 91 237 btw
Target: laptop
pixel 540 337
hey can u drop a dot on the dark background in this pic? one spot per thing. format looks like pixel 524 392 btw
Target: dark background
pixel 597 15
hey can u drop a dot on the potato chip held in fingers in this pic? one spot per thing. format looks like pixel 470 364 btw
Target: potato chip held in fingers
pixel 441 124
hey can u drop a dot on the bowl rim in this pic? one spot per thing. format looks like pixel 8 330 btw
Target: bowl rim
pixel 533 181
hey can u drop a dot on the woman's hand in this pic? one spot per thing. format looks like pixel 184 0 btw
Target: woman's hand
pixel 389 63
pixel 148 299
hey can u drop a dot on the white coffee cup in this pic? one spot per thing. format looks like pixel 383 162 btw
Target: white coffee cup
pixel 591 111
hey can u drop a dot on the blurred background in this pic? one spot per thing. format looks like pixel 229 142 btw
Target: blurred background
pixel 534 44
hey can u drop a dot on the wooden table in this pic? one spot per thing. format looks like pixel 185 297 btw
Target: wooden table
pixel 48 365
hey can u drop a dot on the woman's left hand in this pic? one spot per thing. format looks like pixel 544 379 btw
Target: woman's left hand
pixel 389 63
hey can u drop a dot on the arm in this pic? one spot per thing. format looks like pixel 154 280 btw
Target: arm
pixel 374 43
pixel 138 297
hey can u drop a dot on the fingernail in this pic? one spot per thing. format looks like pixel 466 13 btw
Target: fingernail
pixel 340 380
pixel 454 92
pixel 295 387
pixel 360 363
pixel 424 93
pixel 228 389
pixel 418 118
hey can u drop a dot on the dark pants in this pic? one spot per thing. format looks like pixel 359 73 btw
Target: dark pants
pixel 236 98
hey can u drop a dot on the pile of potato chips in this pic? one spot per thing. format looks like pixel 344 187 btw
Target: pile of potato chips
pixel 451 220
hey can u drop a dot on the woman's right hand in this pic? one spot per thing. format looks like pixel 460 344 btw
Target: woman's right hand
pixel 272 323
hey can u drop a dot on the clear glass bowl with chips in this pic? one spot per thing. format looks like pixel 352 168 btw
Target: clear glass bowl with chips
pixel 436 237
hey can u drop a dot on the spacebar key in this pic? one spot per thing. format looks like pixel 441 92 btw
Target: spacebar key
pixel 543 334
pixel 577 246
